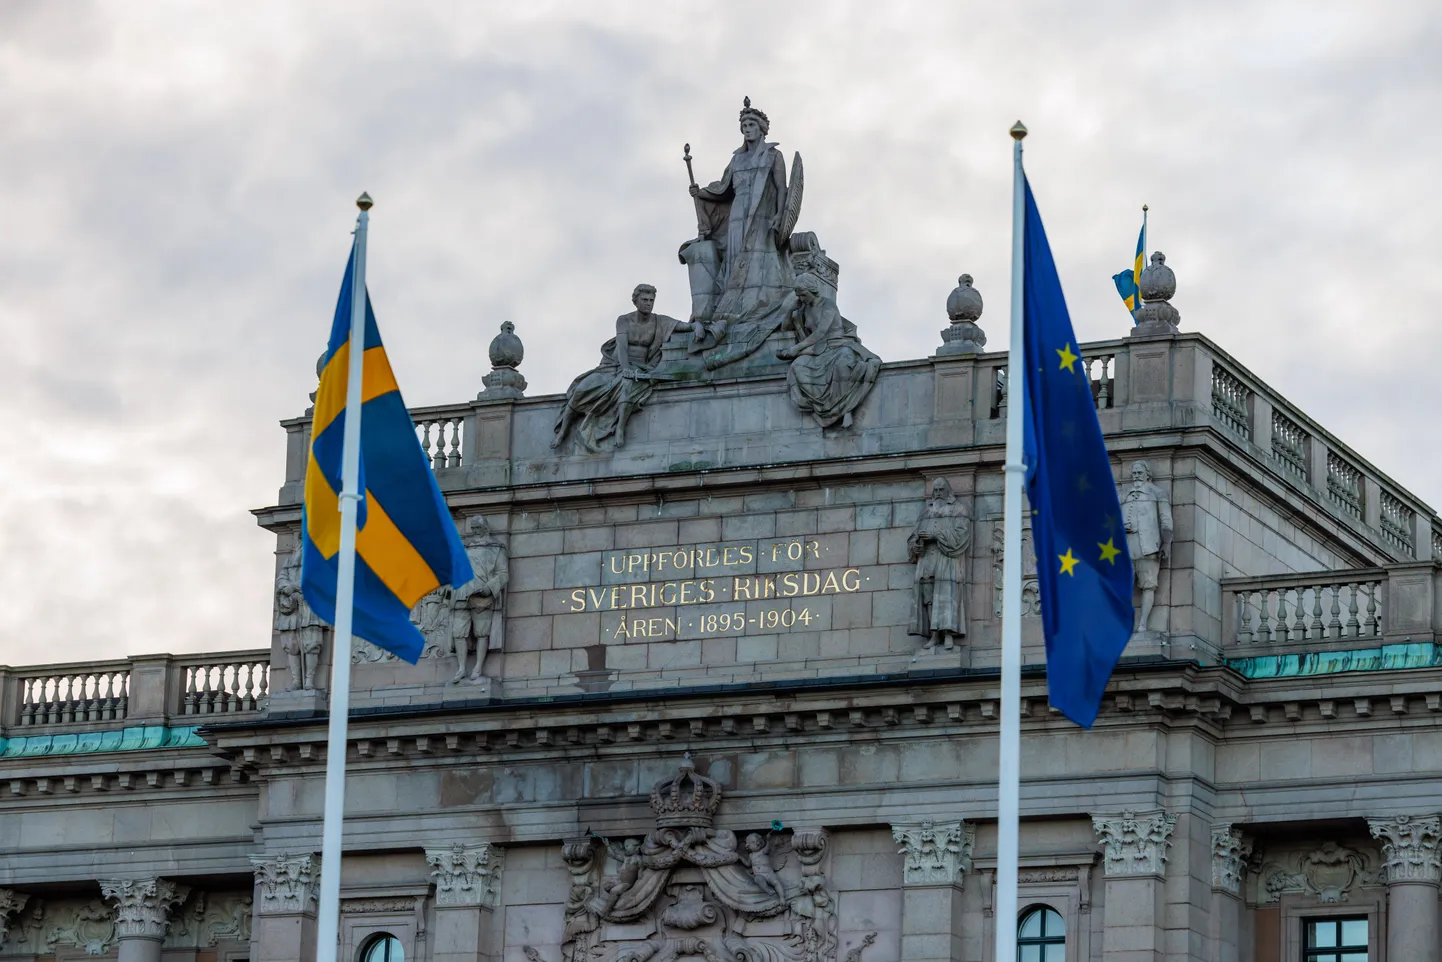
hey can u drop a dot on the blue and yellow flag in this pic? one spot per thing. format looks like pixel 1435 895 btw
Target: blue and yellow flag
pixel 1083 568
pixel 1129 283
pixel 406 542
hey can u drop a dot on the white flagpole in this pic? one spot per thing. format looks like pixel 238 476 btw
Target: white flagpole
pixel 327 934
pixel 1009 778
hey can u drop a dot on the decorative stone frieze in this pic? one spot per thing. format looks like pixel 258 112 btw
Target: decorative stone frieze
pixel 1134 844
pixel 1038 876
pixel 937 853
pixel 210 918
pixel 143 905
pixel 288 883
pixel 467 874
pixel 1409 843
pixel 1328 874
pixel 1230 851
pixel 89 925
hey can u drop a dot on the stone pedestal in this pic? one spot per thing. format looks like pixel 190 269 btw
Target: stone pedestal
pixel 1134 861
pixel 468 885
pixel 142 908
pixel 1413 872
pixel 287 888
pixel 937 856
pixel 1230 849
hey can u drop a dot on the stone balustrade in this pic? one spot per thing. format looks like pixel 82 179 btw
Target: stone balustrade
pixel 444 433
pixel 142 690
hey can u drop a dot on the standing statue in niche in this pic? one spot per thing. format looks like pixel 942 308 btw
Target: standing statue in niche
pixel 1147 518
pixel 938 546
pixel 478 606
pixel 741 280
pixel 605 397
pixel 831 372
pixel 301 629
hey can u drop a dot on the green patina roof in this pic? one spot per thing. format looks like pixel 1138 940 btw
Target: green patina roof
pixel 85 743
pixel 1422 654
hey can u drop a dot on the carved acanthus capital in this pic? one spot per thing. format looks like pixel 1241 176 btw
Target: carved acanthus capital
pixel 1409 844
pixel 289 884
pixel 11 902
pixel 142 906
pixel 1230 851
pixel 937 853
pixel 467 874
pixel 1134 844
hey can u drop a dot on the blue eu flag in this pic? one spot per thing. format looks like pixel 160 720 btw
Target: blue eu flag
pixel 1083 568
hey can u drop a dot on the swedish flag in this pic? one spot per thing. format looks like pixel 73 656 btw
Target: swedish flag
pixel 1129 283
pixel 1084 572
pixel 406 542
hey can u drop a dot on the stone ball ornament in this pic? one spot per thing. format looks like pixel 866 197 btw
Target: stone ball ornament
pixel 964 303
pixel 506 347
pixel 1158 282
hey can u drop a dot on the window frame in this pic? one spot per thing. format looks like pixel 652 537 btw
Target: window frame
pixel 1296 910
pixel 1043 940
pixel 1321 953
pixel 368 945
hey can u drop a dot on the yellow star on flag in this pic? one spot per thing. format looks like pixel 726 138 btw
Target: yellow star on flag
pixel 1068 562
pixel 1067 358
pixel 1109 550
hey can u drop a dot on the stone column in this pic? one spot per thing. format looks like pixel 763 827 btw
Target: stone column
pixel 287 891
pixel 1413 871
pixel 142 914
pixel 468 886
pixel 1230 850
pixel 937 856
pixel 1134 859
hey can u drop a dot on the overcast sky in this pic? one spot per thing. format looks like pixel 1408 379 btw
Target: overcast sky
pixel 177 179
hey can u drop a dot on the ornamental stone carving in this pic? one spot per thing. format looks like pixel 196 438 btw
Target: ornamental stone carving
pixel 11 902
pixel 467 874
pixel 963 307
pixel 301 631
pixel 478 607
pixel 288 883
pixel 88 925
pixel 938 546
pixel 1134 844
pixel 937 853
pixel 504 382
pixel 1156 315
pixel 1147 519
pixel 1328 874
pixel 143 905
pixel 210 918
pixel 1409 845
pixel 1230 851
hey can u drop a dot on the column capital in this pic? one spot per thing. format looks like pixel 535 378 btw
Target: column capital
pixel 11 902
pixel 1230 850
pixel 289 884
pixel 142 906
pixel 1134 843
pixel 1409 843
pixel 467 874
pixel 937 853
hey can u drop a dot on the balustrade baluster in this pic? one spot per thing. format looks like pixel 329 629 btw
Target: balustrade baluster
pixel 1264 631
pixel 1316 631
pixel 1244 626
pixel 1281 633
pixel 453 458
pixel 1354 627
pixel 65 699
pixel 27 703
pixel 1373 623
pixel 232 687
pixel 1299 623
pixel 1104 395
pixel 192 698
pixel 1334 627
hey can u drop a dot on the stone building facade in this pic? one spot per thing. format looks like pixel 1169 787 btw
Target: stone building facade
pixel 704 721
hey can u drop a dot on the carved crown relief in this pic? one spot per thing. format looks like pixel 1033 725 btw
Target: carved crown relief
pixel 1329 873
pixel 688 888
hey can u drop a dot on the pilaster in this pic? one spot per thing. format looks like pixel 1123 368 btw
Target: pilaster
pixel 1413 871
pixel 142 909
pixel 1230 850
pixel 468 885
pixel 287 890
pixel 1134 858
pixel 936 858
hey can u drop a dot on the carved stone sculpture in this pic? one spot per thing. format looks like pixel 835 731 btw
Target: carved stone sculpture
pixel 1157 315
pixel 938 546
pixel 143 905
pixel 1328 873
pixel 741 280
pixel 963 307
pixel 288 884
pixel 1147 518
pixel 696 890
pixel 302 631
pixel 210 918
pixel 1230 850
pixel 1409 844
pixel 937 853
pixel 831 372
pixel 89 925
pixel 1134 844
pixel 599 402
pixel 504 382
pixel 11 902
pixel 467 874
pixel 478 606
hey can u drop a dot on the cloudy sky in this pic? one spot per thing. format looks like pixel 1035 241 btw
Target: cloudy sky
pixel 176 187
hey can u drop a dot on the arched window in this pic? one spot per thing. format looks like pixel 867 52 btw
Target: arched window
pixel 1041 936
pixel 383 948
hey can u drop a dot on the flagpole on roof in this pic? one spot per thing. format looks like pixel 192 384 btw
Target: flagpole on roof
pixel 328 924
pixel 1009 774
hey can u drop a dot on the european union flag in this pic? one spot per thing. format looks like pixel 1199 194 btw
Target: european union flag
pixel 1082 565
pixel 1129 283
pixel 406 542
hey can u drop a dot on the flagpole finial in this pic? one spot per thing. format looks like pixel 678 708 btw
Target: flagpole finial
pixel 1145 208
pixel 1018 130
pixel 364 201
